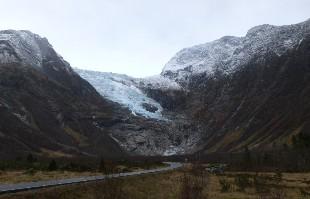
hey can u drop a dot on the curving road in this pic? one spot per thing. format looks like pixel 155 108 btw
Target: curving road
pixel 12 188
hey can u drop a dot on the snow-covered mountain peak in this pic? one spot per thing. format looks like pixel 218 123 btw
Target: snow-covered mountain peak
pixel 226 54
pixel 28 49
pixel 201 58
pixel 20 46
pixel 265 28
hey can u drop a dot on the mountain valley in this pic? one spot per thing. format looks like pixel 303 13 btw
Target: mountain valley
pixel 222 96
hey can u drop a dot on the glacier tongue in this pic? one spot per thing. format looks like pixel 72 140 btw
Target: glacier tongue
pixel 123 90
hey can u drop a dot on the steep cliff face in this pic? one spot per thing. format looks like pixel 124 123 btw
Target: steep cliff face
pixel 45 107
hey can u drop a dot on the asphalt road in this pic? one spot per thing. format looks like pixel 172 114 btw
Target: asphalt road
pixel 12 188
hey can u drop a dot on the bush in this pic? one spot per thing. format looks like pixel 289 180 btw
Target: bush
pixel 276 194
pixel 30 158
pixel 52 166
pixel 30 171
pixel 278 176
pixel 242 181
pixel 304 194
pixel 260 184
pixel 111 189
pixel 102 164
pixel 225 185
pixel 193 183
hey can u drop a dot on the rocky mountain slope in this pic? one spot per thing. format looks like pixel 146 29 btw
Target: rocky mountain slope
pixel 227 94
pixel 216 97
pixel 249 91
pixel 150 128
pixel 229 53
pixel 45 107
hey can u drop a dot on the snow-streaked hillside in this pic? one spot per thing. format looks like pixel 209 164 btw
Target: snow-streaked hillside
pixel 25 46
pixel 29 49
pixel 125 91
pixel 228 53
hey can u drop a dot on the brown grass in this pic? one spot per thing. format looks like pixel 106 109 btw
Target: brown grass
pixel 54 154
pixel 157 186
pixel 78 137
pixel 170 186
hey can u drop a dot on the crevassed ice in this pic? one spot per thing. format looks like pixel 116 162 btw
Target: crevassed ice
pixel 122 89
pixel 173 150
pixel 158 82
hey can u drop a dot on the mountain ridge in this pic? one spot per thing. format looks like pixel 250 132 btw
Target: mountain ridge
pixel 46 108
pixel 221 96
pixel 201 89
pixel 226 54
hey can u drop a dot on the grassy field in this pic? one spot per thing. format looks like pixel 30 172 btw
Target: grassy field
pixel 242 185
pixel 185 184
pixel 152 186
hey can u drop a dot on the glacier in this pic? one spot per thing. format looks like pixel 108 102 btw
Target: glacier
pixel 126 91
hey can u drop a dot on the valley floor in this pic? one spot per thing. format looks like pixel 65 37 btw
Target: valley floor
pixel 185 184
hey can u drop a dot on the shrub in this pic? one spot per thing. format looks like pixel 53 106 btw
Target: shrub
pixel 30 171
pixel 242 181
pixel 102 166
pixel 260 184
pixel 304 194
pixel 276 194
pixel 52 166
pixel 111 189
pixel 193 182
pixel 30 158
pixel 278 176
pixel 225 185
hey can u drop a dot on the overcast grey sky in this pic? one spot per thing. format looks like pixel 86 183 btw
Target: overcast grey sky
pixel 137 37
